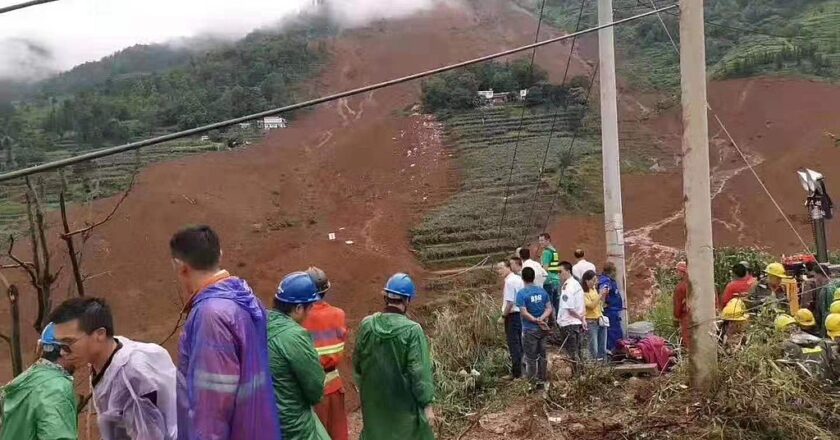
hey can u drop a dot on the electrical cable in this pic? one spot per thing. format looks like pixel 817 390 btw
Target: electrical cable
pixel 519 127
pixel 551 130
pixel 11 8
pixel 49 166
pixel 570 150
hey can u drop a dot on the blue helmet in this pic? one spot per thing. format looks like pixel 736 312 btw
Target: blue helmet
pixel 297 288
pixel 401 284
pixel 48 341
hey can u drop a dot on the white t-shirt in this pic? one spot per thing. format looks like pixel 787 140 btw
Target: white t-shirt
pixel 539 272
pixel 513 284
pixel 581 267
pixel 571 298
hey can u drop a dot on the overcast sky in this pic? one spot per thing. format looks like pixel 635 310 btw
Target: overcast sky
pixel 75 31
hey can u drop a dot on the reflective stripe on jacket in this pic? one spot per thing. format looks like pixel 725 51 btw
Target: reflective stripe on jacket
pixel 327 326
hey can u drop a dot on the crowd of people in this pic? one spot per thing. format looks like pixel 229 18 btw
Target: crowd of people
pixel 574 302
pixel 242 372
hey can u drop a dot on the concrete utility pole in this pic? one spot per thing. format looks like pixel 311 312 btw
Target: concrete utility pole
pixel 613 215
pixel 697 190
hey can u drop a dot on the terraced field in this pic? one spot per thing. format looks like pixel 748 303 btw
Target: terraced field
pixel 91 180
pixel 469 226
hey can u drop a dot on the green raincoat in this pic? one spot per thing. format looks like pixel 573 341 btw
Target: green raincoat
pixel 297 376
pixel 393 369
pixel 39 404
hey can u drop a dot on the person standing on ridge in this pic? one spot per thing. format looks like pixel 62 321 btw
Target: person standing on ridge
pixel 613 305
pixel 224 393
pixel 741 285
pixel 535 309
pixel 296 371
pixel 39 403
pixel 581 266
pixel 682 314
pixel 134 392
pixel 510 313
pixel 392 365
pixel 327 325
pixel 540 274
pixel 571 317
pixel 551 262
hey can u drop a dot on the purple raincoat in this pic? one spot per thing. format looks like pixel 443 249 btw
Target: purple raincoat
pixel 224 384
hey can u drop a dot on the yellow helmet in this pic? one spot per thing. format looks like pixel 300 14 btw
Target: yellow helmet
pixel 832 325
pixel 735 310
pixel 835 307
pixel 805 318
pixel 837 295
pixel 784 322
pixel 776 270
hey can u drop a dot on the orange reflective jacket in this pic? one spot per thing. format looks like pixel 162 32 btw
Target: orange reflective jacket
pixel 328 328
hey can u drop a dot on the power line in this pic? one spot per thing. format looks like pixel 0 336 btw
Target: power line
pixel 551 130
pixel 519 128
pixel 571 148
pixel 227 123
pixel 11 8
pixel 744 157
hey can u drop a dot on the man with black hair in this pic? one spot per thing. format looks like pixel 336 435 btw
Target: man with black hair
pixel 295 367
pixel 741 285
pixel 224 382
pixel 39 404
pixel 535 310
pixel 550 260
pixel 133 382
pixel 581 266
pixel 510 313
pixel 571 316
pixel 540 273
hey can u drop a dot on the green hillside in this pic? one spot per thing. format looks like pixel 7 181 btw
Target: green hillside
pixel 144 90
pixel 743 38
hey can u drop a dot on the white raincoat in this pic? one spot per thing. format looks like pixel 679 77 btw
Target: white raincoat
pixel 138 373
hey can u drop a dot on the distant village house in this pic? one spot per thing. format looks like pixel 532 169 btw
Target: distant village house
pixel 489 97
pixel 273 122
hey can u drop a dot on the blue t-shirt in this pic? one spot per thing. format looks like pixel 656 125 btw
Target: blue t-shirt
pixel 534 299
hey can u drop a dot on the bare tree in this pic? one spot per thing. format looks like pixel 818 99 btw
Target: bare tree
pixel 14 339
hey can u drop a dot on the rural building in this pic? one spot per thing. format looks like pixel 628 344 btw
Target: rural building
pixel 272 122
pixel 244 125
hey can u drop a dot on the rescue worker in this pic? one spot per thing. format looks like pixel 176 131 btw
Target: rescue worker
pixel 825 298
pixel 224 393
pixel 770 290
pixel 741 285
pixel 806 322
pixel 785 323
pixel 613 305
pixel 832 326
pixel 550 260
pixel 735 317
pixel 393 369
pixel 327 325
pixel 681 310
pixel 296 371
pixel 39 404
pixel 134 391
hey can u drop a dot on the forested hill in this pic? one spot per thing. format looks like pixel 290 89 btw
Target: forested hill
pixel 146 90
pixel 743 38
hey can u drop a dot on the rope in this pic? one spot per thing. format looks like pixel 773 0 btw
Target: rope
pixel 272 112
pixel 11 8
pixel 519 128
pixel 551 131
pixel 469 269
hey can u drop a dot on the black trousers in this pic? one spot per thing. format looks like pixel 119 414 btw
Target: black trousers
pixel 573 337
pixel 513 331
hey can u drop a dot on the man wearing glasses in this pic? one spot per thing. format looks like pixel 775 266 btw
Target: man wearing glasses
pixel 133 382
